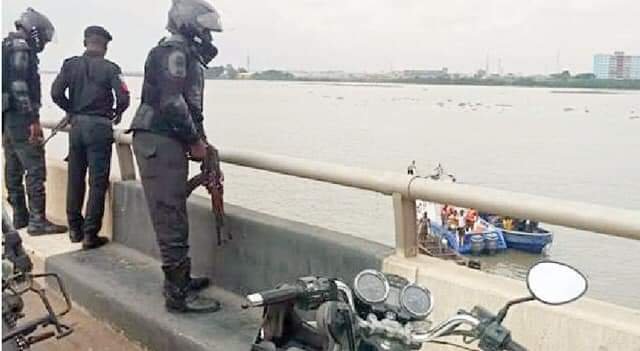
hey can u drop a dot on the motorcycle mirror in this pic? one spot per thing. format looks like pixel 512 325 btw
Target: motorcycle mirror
pixel 555 283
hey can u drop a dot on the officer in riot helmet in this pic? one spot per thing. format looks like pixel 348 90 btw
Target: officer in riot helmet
pixel 92 81
pixel 21 130
pixel 168 128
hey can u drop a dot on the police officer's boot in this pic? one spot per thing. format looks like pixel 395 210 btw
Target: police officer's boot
pixel 38 222
pixel 20 211
pixel 93 241
pixel 195 284
pixel 178 298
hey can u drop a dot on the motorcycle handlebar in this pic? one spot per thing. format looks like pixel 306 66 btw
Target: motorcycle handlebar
pixel 274 296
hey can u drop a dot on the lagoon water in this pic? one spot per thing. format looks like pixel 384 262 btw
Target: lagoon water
pixel 561 143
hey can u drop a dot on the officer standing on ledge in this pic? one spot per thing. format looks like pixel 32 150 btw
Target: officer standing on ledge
pixel 167 126
pixel 92 82
pixel 21 130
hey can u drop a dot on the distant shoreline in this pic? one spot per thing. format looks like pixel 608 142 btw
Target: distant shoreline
pixel 571 83
pixel 622 85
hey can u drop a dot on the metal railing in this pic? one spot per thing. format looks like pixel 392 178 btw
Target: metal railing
pixel 405 189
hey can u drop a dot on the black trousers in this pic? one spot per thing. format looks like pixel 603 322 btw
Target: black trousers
pixel 24 163
pixel 90 143
pixel 163 166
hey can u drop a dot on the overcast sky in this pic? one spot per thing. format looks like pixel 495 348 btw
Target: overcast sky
pixel 527 36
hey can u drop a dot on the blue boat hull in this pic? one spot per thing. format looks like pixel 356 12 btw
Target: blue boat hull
pixel 452 238
pixel 529 242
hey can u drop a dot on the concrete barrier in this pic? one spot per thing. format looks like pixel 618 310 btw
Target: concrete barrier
pixel 265 250
pixel 585 325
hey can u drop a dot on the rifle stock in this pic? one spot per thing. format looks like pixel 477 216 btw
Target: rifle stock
pixel 60 126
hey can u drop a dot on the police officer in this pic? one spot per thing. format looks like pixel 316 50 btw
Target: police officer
pixel 92 82
pixel 21 130
pixel 167 126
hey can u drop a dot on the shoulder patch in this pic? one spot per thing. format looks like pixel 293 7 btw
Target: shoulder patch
pixel 177 64
pixel 19 44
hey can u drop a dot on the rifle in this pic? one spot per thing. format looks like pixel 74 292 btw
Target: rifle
pixel 60 126
pixel 212 179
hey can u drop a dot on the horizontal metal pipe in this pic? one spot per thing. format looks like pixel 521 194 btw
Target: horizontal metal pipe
pixel 602 219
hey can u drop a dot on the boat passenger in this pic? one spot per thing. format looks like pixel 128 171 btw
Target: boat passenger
pixel 424 227
pixel 507 223
pixel 470 219
pixel 461 227
pixel 444 215
pixel 453 221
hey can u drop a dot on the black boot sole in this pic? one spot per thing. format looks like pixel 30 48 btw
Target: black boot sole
pixel 186 309
pixel 34 232
pixel 94 245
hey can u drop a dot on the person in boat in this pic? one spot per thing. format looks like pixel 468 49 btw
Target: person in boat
pixel 462 225
pixel 507 223
pixel 424 227
pixel 470 219
pixel 444 215
pixel 452 221
pixel 533 226
pixel 412 169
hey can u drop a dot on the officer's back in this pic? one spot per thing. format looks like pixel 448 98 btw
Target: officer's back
pixel 91 80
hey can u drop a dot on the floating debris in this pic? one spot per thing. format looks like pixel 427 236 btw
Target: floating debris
pixel 462 104
pixel 441 104
pixel 339 98
pixel 568 109
pixel 634 117
pixel 504 105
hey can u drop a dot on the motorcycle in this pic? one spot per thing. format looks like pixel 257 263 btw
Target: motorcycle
pixel 385 312
pixel 18 280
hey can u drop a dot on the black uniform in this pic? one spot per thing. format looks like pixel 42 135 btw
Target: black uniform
pixel 166 123
pixel 20 109
pixel 92 82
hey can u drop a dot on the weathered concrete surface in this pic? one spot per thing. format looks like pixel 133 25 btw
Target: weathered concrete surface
pixel 88 334
pixel 584 325
pixel 123 287
pixel 265 250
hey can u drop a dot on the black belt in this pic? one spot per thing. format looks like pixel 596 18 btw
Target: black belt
pixel 93 119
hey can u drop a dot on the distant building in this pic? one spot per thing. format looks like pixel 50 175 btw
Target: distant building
pixel 616 66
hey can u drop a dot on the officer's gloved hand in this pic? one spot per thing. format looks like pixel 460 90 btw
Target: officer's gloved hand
pixel 35 133
pixel 116 119
pixel 198 151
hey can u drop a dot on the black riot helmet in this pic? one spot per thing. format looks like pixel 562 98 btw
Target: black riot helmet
pixel 37 26
pixel 196 19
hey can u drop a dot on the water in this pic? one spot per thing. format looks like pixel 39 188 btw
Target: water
pixel 539 141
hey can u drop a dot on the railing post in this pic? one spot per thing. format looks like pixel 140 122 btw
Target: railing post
pixel 125 159
pixel 404 213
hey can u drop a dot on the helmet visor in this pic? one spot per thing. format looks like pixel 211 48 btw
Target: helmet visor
pixel 210 21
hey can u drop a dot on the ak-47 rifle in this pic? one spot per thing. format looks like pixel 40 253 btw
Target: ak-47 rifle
pixel 212 179
pixel 60 126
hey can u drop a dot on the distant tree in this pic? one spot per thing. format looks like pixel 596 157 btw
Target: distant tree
pixel 214 72
pixel 242 70
pixel 273 75
pixel 230 72
pixel 585 76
